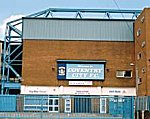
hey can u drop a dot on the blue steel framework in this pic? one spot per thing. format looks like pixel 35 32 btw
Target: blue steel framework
pixel 13 35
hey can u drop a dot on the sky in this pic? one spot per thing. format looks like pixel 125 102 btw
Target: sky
pixel 12 9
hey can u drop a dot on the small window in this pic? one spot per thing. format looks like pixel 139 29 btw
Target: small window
pixel 56 102
pixel 127 74
pixel 120 74
pixel 143 44
pixel 138 32
pixel 124 74
pixel 139 80
pixel 50 102
pixel 143 70
pixel 139 56
pixel 142 19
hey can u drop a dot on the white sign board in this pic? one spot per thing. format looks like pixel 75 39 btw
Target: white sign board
pixel 41 90
pixel 119 91
pixel 82 90
pixel 87 83
pixel 85 71
pixel 110 91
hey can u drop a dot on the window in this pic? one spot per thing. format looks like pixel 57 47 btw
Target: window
pixel 138 32
pixel 139 56
pixel 53 104
pixel 127 74
pixel 124 74
pixel 143 44
pixel 143 70
pixel 120 74
pixel 142 19
pixel 139 80
pixel 35 103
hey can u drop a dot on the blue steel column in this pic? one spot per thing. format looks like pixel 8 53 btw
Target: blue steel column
pixel 9 39
pixel 4 63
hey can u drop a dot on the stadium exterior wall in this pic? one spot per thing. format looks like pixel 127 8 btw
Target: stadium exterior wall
pixel 40 61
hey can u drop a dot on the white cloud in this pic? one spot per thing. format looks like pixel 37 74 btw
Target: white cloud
pixel 5 21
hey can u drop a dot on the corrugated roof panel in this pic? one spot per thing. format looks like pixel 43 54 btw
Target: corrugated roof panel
pixel 71 29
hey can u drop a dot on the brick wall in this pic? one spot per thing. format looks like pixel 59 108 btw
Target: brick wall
pixel 143 63
pixel 40 60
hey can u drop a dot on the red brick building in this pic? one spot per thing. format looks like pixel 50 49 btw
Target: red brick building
pixel 142 54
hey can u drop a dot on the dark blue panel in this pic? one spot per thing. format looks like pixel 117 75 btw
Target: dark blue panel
pixel 61 71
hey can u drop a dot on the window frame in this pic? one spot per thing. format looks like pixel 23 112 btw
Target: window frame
pixel 123 74
pixel 53 105
pixel 103 105
pixel 68 105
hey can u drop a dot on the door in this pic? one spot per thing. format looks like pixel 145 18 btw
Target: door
pixel 103 105
pixel 53 104
pixel 68 105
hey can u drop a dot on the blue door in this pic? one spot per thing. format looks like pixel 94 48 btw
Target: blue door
pixel 122 107
pixel 128 108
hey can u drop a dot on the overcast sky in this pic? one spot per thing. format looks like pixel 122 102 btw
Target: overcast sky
pixel 12 9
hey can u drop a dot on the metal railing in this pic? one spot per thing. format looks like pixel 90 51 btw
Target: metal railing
pixel 66 107
pixel 142 107
pixel 143 103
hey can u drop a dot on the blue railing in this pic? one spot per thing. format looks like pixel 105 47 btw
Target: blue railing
pixel 8 103
pixel 66 107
